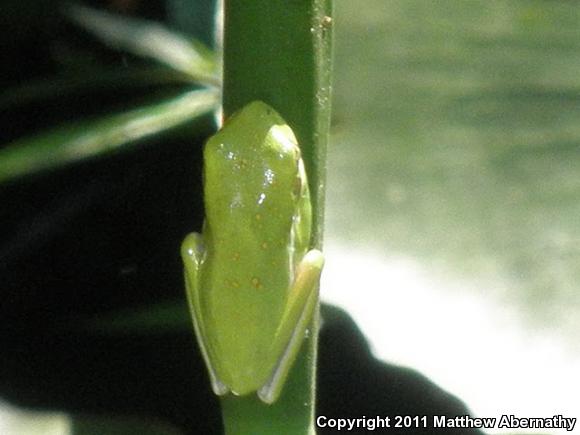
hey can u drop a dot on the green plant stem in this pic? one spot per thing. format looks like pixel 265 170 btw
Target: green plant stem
pixel 279 51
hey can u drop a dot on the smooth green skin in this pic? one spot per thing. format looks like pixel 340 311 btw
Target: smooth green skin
pixel 252 283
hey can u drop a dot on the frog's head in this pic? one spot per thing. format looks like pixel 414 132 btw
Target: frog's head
pixel 255 154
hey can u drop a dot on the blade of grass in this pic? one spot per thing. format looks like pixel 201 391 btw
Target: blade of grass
pixel 105 79
pixel 280 53
pixel 150 39
pixel 71 143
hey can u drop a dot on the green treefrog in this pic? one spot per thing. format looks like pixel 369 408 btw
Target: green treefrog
pixel 251 280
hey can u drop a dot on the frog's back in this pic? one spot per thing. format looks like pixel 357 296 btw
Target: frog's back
pixel 252 184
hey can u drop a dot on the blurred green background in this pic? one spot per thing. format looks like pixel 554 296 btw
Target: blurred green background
pixel 453 210
pixel 458 140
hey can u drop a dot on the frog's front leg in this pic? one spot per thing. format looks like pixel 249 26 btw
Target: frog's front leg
pixel 292 329
pixel 193 253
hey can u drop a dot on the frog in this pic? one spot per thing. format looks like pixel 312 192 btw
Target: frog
pixel 252 279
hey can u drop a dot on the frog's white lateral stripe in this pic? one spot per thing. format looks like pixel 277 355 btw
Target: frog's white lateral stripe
pixel 195 257
pixel 270 391
pixel 218 387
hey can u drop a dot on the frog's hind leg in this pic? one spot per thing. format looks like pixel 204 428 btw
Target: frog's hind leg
pixel 192 253
pixel 301 307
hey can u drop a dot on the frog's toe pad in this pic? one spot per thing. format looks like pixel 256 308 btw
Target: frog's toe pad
pixel 218 387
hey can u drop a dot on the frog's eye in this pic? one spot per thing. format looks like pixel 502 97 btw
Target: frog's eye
pixel 297 153
pixel 297 187
pixel 300 181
